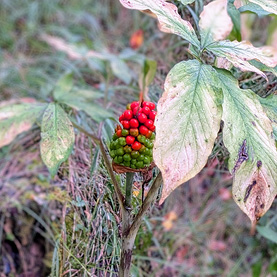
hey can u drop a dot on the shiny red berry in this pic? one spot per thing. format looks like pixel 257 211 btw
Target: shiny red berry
pixel 149 123
pixel 119 133
pixel 146 110
pixel 143 130
pixel 152 115
pixel 149 134
pixel 126 124
pixel 134 104
pixel 152 128
pixel 136 145
pixel 151 106
pixel 121 118
pixel 130 140
pixel 128 114
pixel 134 123
pixel 142 117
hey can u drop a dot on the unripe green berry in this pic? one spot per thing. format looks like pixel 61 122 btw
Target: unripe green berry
pixel 122 141
pixel 127 163
pixel 142 149
pixel 140 158
pixel 140 164
pixel 146 160
pixel 127 149
pixel 141 138
pixel 127 157
pixel 113 153
pixel 120 159
pixel 134 154
pixel 153 136
pixel 125 132
pixel 133 161
pixel 120 151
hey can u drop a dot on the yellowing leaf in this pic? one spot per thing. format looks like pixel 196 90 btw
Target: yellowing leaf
pixel 247 134
pixel 215 22
pixel 57 137
pixel 17 118
pixel 239 53
pixel 268 5
pixel 167 14
pixel 187 123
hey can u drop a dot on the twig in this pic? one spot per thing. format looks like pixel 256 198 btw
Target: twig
pixel 151 196
pixel 98 141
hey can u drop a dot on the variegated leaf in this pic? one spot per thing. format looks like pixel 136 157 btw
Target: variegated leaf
pixel 57 137
pixel 268 5
pixel 239 53
pixel 247 134
pixel 18 118
pixel 187 123
pixel 167 14
pixel 215 22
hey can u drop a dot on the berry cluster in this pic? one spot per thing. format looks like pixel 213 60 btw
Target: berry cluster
pixel 132 142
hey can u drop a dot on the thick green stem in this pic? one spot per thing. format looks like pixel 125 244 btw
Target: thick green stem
pixel 129 190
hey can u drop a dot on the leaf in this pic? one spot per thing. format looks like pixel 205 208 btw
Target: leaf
pixel 148 74
pixel 95 111
pixel 120 69
pixel 239 53
pixel 247 134
pixel 235 16
pixel 57 137
pixel 270 107
pixel 63 85
pixel 186 2
pixel 263 67
pixel 18 118
pixel 187 123
pixel 268 233
pixel 251 7
pixel 167 14
pixel 268 5
pixel 215 23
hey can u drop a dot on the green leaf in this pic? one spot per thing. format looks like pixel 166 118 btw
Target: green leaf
pixel 268 5
pixel 247 134
pixel 240 53
pixel 57 137
pixel 78 102
pixel 270 106
pixel 215 23
pixel 187 122
pixel 263 67
pixel 251 7
pixel 120 69
pixel 268 233
pixel 18 118
pixel 169 19
pixel 186 2
pixel 148 74
pixel 63 85
pixel 235 16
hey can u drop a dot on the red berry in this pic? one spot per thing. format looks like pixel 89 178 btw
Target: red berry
pixel 133 123
pixel 152 115
pixel 142 117
pixel 134 104
pixel 149 134
pixel 128 114
pixel 151 106
pixel 152 128
pixel 130 140
pixel 119 133
pixel 149 123
pixel 143 130
pixel 134 132
pixel 126 124
pixel 136 145
pixel 146 110
pixel 121 118
pixel 118 127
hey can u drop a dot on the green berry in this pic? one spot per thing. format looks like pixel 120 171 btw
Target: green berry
pixel 125 132
pixel 133 166
pixel 127 157
pixel 126 163
pixel 140 158
pixel 112 153
pixel 116 160
pixel 150 145
pixel 153 136
pixel 115 137
pixel 133 161
pixel 142 149
pixel 141 138
pixel 120 159
pixel 120 151
pixel 147 152
pixel 146 160
pixel 140 164
pixel 134 154
pixel 127 149
pixel 122 141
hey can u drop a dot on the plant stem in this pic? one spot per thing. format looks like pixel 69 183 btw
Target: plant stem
pixel 129 190
pixel 98 141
